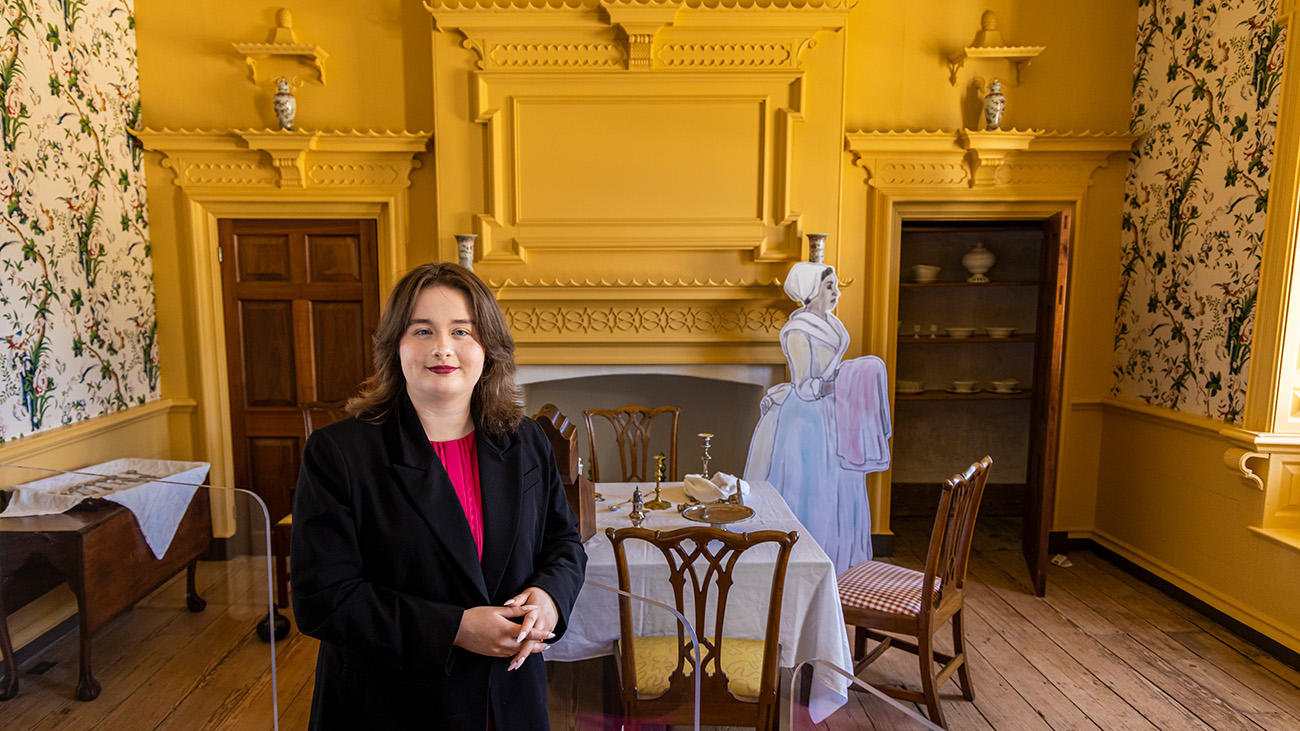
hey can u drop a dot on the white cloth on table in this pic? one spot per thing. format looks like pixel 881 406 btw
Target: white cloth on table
pixel 156 491
pixel 720 487
pixel 812 621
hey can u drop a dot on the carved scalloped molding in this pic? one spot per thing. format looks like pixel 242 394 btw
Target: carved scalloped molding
pixel 703 321
pixel 265 158
pixel 1038 159
pixel 639 35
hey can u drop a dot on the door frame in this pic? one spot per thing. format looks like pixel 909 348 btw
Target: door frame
pixel 880 331
pixel 213 387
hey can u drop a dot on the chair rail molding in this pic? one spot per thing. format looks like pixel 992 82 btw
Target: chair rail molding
pixel 260 173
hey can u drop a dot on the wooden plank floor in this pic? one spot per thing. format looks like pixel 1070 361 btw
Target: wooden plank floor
pixel 1101 651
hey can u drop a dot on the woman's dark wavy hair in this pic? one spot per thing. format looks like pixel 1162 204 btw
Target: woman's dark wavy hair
pixel 495 405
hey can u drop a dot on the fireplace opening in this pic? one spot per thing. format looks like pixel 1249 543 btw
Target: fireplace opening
pixel 725 407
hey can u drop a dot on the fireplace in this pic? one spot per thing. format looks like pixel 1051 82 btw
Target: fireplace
pixel 718 398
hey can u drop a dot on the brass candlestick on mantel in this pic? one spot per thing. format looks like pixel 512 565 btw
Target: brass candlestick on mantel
pixel 659 503
pixel 704 458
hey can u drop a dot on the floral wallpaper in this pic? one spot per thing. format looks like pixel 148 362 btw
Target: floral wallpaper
pixel 1205 90
pixel 76 284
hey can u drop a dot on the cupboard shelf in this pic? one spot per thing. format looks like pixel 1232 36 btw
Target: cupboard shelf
pixel 941 395
pixel 910 285
pixel 925 339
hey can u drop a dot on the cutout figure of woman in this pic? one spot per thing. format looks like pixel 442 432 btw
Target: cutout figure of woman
pixel 819 434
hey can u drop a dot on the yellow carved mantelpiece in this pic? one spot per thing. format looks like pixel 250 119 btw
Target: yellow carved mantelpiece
pixel 640 173
pixel 639 34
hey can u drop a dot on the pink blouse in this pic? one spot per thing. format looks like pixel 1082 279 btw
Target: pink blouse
pixel 460 458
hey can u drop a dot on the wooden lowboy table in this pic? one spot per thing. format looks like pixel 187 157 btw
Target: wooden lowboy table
pixel 99 550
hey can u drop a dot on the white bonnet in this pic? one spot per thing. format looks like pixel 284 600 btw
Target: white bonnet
pixel 802 280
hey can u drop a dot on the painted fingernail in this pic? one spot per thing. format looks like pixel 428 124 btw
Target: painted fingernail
pixel 510 602
pixel 521 637
pixel 550 635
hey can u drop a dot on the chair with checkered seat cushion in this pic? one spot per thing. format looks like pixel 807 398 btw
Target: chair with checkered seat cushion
pixel 880 598
pixel 739 684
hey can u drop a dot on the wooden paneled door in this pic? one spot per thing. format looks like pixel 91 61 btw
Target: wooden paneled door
pixel 301 305
pixel 1049 360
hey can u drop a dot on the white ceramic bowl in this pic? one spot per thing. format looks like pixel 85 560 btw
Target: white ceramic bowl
pixel 925 272
pixel 964 385
pixel 959 332
pixel 1006 385
pixel 1000 332
pixel 908 386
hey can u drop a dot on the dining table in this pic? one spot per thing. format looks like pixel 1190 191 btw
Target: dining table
pixel 812 622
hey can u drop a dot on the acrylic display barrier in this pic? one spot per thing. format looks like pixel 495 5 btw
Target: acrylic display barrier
pixel 583 686
pixel 872 708
pixel 122 610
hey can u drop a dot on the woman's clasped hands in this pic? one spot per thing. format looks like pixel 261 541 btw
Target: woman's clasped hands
pixel 490 631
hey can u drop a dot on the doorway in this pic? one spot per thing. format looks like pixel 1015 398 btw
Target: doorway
pixel 301 304
pixel 978 367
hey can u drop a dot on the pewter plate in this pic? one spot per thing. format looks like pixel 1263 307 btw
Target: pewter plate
pixel 718 514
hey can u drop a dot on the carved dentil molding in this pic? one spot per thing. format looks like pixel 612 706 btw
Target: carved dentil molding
pixel 639 35
pixel 265 158
pixel 984 159
pixel 674 322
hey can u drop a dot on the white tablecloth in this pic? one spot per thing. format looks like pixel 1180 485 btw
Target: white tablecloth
pixel 156 491
pixel 812 623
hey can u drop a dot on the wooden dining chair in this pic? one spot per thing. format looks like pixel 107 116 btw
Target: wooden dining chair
pixel 314 415
pixel 631 425
pixel 739 686
pixel 878 597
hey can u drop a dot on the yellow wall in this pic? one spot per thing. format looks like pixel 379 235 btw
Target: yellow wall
pixel 1165 500
pixel 380 75
pixel 897 78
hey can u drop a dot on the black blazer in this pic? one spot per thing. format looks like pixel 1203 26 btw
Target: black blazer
pixel 383 565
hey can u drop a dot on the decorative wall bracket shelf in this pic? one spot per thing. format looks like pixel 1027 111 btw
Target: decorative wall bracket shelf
pixel 283 44
pixel 988 45
pixel 265 158
pixel 1039 162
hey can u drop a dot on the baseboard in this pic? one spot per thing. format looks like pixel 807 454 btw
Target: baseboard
pixel 882 544
pixel 29 652
pixel 1278 650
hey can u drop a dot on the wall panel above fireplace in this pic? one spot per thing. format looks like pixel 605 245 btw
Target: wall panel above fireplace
pixel 639 174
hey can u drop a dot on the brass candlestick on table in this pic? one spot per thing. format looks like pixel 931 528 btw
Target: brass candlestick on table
pixel 659 503
pixel 704 458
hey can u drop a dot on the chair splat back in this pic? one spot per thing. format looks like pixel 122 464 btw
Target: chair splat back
pixel 954 529
pixel 632 425
pixel 701 560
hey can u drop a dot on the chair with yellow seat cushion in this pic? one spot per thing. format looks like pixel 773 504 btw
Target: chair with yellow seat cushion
pixel 656 658
pixel 739 686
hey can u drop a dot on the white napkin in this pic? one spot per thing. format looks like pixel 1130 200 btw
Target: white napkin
pixel 722 486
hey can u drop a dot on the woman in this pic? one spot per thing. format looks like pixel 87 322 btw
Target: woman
pixel 819 434
pixel 434 551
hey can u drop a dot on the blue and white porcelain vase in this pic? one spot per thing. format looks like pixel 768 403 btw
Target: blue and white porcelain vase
pixel 995 103
pixel 286 106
